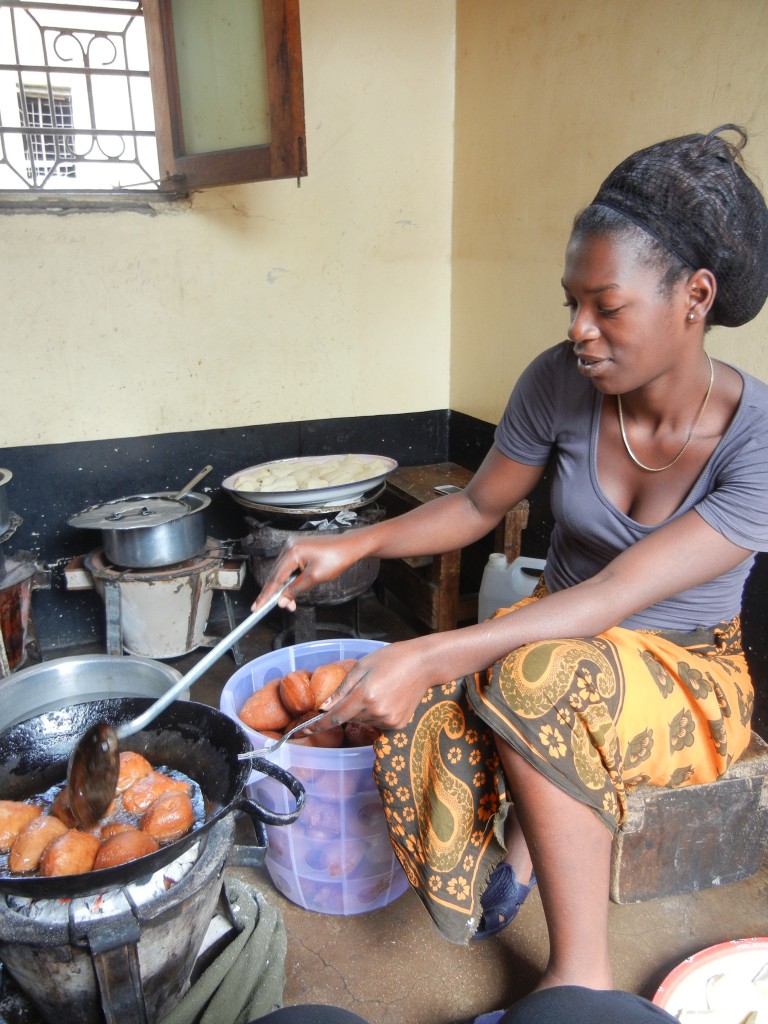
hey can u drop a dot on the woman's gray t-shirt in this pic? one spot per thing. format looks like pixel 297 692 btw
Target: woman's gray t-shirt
pixel 553 415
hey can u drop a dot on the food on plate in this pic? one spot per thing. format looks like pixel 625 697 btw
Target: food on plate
pixel 30 844
pixel 264 709
pixel 123 847
pixel 760 982
pixel 281 705
pixel 169 817
pixel 14 815
pixel 311 474
pixel 327 678
pixel 731 1000
pixel 70 854
pixel 133 767
pixel 296 692
pixel 138 797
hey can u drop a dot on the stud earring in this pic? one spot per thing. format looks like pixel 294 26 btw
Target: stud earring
pixel 691 315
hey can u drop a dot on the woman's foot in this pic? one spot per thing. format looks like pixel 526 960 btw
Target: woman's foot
pixel 502 899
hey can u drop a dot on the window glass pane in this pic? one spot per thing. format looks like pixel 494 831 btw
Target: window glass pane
pixel 221 68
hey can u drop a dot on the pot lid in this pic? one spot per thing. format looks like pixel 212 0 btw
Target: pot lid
pixel 141 510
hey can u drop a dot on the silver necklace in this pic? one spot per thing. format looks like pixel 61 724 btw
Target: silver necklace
pixel 660 469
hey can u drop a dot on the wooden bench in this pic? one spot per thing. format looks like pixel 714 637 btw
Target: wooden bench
pixel 681 840
pixel 429 587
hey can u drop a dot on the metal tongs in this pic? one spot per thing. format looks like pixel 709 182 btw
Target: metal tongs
pixel 283 739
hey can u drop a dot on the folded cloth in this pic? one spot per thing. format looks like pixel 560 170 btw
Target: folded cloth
pixel 247 979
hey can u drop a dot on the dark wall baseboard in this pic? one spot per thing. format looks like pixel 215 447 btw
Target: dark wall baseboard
pixel 52 482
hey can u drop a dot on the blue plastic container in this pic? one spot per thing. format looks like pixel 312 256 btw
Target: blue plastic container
pixel 336 858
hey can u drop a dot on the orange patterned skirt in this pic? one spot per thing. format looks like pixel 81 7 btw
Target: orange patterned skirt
pixel 596 716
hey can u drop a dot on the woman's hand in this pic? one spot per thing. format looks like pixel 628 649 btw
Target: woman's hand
pixel 384 688
pixel 316 559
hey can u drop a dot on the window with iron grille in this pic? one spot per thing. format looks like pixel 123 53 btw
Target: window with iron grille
pixel 143 92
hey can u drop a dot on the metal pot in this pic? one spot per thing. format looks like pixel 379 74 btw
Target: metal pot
pixel 145 531
pixel 5 514
pixel 193 738
pixel 80 678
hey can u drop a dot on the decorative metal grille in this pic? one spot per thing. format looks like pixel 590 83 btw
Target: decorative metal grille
pixel 81 67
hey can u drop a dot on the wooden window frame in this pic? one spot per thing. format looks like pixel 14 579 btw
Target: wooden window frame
pixel 283 157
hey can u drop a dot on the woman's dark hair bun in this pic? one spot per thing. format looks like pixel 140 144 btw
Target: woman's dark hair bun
pixel 693 196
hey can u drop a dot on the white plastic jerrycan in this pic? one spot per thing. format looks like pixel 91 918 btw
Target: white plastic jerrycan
pixel 503 583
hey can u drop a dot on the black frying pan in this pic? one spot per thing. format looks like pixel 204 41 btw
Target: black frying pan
pixel 192 738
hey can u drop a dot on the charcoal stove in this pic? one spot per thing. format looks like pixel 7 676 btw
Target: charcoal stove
pixel 271 527
pixel 125 955
pixel 20 574
pixel 159 612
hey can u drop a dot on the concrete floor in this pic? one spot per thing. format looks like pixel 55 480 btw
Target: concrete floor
pixel 391 966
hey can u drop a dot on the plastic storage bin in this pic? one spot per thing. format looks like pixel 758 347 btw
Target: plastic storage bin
pixel 336 858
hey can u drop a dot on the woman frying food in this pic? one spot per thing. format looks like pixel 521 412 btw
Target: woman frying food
pixel 507 747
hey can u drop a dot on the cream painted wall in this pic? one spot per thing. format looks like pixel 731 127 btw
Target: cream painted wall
pixel 550 96
pixel 260 303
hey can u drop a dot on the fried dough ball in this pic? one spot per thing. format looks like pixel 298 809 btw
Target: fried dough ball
pixel 359 735
pixel 70 854
pixel 170 817
pixel 296 692
pixel 14 815
pixel 29 845
pixel 113 828
pixel 123 847
pixel 138 797
pixel 133 767
pixel 60 808
pixel 264 709
pixel 327 678
pixel 333 737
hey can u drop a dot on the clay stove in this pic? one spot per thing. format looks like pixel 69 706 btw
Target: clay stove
pixel 272 527
pixel 159 612
pixel 121 956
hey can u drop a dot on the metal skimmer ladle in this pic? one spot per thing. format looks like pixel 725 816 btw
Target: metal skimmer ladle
pixel 94 764
pixel 195 480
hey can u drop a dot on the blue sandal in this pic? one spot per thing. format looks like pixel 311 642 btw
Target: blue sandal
pixel 502 899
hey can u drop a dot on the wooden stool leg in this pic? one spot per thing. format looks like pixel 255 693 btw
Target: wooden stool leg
pixel 515 522
pixel 444 578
